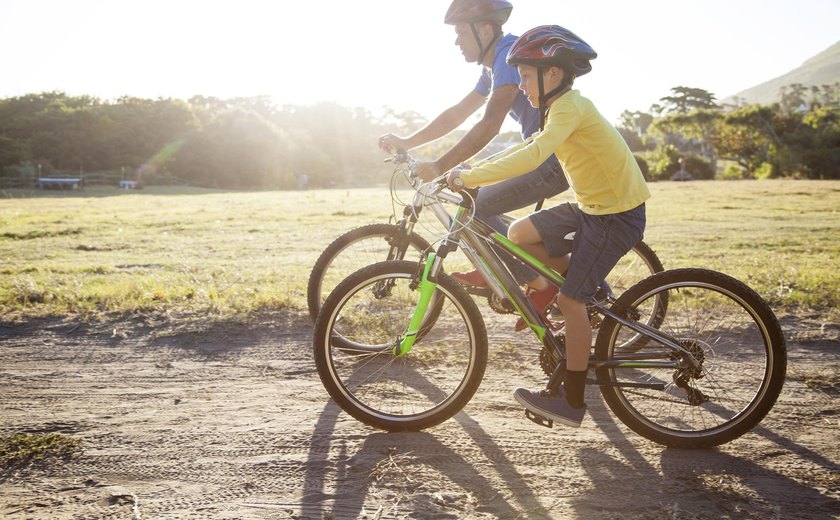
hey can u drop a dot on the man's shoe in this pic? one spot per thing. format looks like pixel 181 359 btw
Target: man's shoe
pixel 540 300
pixel 472 278
pixel 551 407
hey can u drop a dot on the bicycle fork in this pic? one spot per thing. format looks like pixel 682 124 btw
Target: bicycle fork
pixel 428 285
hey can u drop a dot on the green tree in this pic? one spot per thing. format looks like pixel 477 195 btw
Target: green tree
pixel 240 148
pixel 817 143
pixel 685 99
pixel 693 132
pixel 633 127
pixel 746 136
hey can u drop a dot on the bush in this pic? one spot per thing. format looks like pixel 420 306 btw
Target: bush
pixel 662 162
pixel 665 162
pixel 699 168
pixel 733 172
pixel 765 171
pixel 643 165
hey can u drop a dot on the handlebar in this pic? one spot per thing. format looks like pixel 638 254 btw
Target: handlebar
pixel 402 157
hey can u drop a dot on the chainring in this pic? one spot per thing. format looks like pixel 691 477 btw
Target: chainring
pixel 500 306
pixel 549 358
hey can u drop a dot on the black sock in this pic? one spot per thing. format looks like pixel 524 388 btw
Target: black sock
pixel 574 385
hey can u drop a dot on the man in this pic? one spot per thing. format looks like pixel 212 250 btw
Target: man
pixel 478 28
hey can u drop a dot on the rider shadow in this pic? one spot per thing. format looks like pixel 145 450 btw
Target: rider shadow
pixel 355 474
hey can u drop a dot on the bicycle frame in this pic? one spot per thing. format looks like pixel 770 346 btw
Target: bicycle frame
pixel 475 238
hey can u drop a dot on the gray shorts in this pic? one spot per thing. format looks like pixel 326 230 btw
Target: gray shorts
pixel 598 243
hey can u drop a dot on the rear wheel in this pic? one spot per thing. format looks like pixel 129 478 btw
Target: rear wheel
pixel 417 390
pixel 353 250
pixel 724 325
pixel 639 263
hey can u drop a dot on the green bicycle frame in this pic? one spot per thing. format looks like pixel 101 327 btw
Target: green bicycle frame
pixel 475 239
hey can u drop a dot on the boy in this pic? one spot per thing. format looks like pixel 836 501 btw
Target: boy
pixel 608 216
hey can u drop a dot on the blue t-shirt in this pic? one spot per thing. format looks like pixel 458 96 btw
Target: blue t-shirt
pixel 522 112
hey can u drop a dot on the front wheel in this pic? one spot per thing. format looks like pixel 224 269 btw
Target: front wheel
pixel 409 392
pixel 725 326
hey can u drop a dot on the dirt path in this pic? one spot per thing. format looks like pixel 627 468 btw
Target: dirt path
pixel 232 422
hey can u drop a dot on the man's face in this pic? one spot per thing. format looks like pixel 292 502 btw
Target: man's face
pixel 465 40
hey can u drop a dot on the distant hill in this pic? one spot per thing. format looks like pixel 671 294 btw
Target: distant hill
pixel 822 69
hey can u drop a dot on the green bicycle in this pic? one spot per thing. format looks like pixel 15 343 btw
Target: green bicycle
pixel 687 358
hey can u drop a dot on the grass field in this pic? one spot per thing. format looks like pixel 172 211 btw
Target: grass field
pixel 101 254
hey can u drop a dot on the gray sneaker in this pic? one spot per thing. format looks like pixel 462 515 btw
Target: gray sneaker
pixel 550 407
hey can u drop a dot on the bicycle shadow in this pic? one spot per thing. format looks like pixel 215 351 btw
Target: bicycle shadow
pixel 355 475
pixel 716 482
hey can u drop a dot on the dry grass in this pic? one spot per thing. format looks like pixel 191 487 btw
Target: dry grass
pixel 100 253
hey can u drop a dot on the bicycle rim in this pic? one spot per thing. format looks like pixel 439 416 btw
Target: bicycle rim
pixel 638 264
pixel 409 392
pixel 723 324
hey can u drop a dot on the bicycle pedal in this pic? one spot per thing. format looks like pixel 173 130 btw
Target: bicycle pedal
pixel 539 419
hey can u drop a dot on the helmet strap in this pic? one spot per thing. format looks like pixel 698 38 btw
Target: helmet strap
pixel 497 32
pixel 542 97
pixel 565 84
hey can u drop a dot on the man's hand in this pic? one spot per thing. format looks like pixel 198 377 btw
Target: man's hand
pixel 427 170
pixel 392 143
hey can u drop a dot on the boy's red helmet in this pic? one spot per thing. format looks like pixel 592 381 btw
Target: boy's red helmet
pixel 552 45
pixel 470 11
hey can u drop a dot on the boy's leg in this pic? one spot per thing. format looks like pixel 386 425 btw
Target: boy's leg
pixel 599 243
pixel 578 344
pixel 524 233
pixel 578 332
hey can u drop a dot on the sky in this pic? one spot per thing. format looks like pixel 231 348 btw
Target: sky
pixel 394 53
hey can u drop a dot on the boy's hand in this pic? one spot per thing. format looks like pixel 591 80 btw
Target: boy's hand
pixel 427 170
pixel 453 180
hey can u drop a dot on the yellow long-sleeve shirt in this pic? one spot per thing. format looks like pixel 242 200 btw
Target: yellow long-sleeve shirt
pixel 598 164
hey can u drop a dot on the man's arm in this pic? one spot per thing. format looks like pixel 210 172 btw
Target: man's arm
pixel 446 122
pixel 498 106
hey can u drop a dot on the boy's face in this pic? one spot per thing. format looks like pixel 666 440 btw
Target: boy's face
pixel 529 82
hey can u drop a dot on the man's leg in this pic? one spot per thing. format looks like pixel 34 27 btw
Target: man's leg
pixel 512 194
